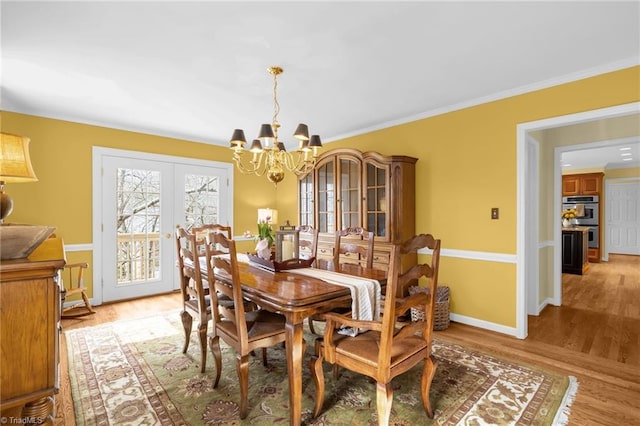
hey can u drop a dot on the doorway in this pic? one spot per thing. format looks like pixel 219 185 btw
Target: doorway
pixel 526 286
pixel 139 199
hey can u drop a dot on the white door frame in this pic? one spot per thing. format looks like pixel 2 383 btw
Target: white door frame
pixel 97 155
pixel 525 263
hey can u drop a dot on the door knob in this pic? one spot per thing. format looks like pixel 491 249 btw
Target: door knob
pixel 167 236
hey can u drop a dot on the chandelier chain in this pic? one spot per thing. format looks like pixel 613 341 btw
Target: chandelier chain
pixel 276 104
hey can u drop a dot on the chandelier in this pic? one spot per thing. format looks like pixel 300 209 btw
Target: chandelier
pixel 272 158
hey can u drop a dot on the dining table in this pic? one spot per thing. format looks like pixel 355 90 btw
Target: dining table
pixel 297 297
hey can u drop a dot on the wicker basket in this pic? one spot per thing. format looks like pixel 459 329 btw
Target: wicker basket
pixel 441 310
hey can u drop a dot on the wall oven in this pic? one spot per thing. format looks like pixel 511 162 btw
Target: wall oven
pixel 590 204
pixel 593 237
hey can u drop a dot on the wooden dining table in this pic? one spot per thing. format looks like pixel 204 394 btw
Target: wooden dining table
pixel 297 297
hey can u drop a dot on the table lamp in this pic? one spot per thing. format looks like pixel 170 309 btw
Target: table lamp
pixel 17 241
pixel 15 166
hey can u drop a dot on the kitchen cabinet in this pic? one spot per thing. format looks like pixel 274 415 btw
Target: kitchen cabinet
pixel 29 334
pixel 349 188
pixel 575 253
pixel 582 184
pixel 586 184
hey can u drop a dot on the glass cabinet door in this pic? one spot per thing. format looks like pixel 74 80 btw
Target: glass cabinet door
pixel 376 206
pixel 349 203
pixel 326 201
pixel 306 198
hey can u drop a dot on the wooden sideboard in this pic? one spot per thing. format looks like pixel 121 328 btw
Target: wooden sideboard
pixel 30 303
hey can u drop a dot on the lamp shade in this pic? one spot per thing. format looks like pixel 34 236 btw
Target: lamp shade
pixel 15 163
pixel 256 146
pixel 266 132
pixel 315 141
pixel 237 138
pixel 268 216
pixel 302 132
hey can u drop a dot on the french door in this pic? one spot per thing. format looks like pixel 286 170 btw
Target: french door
pixel 142 199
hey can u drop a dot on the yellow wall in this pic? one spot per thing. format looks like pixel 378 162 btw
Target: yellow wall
pixel 630 172
pixel 467 165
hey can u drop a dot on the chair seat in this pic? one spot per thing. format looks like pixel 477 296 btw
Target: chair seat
pixel 260 324
pixel 365 347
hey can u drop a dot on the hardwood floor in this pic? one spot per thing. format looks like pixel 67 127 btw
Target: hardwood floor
pixel 594 336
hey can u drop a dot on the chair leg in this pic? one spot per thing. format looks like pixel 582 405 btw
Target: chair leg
pixel 384 399
pixel 264 356
pixel 187 322
pixel 202 336
pixel 87 303
pixel 428 372
pixel 242 365
pixel 214 345
pixel 315 365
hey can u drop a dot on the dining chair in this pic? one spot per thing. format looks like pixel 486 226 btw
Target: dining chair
pixel 245 331
pixel 354 245
pixel 196 302
pixel 307 241
pixel 75 285
pixel 202 231
pixel 387 348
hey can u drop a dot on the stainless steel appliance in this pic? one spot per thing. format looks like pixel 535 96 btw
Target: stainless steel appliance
pixel 590 203
pixel 593 237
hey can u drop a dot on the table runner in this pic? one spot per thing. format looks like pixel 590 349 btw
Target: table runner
pixel 365 293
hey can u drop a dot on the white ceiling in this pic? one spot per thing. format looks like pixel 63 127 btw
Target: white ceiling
pixel 610 157
pixel 197 70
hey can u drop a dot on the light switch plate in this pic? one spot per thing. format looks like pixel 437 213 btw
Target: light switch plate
pixel 495 213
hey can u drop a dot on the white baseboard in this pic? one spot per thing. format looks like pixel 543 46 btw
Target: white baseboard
pixel 511 331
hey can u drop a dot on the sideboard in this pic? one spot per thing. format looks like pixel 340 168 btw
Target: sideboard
pixel 30 303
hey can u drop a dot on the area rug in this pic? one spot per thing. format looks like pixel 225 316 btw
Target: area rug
pixel 134 373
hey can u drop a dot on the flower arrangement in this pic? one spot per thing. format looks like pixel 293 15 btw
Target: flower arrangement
pixel 266 237
pixel 265 232
pixel 569 214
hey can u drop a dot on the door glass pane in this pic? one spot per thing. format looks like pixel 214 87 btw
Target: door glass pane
pixel 138 225
pixel 201 199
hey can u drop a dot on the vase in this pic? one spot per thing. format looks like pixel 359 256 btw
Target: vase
pixel 565 223
pixel 263 249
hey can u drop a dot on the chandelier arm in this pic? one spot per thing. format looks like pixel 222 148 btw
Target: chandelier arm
pixel 300 165
pixel 255 164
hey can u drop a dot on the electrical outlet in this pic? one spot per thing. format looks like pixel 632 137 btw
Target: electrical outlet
pixel 495 213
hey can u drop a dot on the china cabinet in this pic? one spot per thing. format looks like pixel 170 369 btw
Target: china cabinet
pixel 350 188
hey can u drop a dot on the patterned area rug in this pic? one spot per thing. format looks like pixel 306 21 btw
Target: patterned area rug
pixel 134 373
